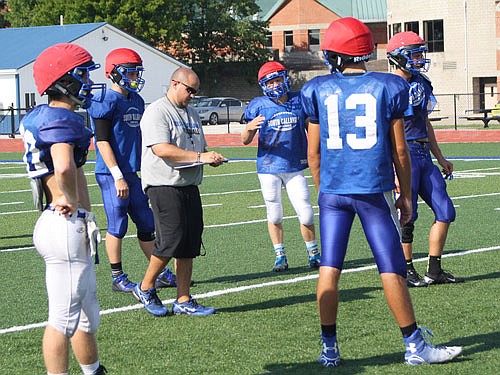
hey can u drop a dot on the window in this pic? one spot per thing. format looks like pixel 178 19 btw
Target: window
pixel 434 35
pixel 313 36
pixel 269 40
pixel 412 26
pixel 288 40
pixel 396 28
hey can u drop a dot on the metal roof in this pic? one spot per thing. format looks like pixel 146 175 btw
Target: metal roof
pixel 364 10
pixel 21 46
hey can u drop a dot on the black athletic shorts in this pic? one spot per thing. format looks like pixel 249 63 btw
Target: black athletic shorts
pixel 178 220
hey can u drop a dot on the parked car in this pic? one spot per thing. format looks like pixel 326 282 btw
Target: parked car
pixel 196 100
pixel 215 111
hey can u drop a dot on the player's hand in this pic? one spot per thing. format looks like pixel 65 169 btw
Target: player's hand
pixel 64 207
pixel 403 204
pixel 447 167
pixel 255 123
pixel 121 188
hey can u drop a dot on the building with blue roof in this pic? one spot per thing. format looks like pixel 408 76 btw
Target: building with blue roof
pixel 21 46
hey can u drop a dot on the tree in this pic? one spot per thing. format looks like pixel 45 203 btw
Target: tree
pixel 195 31
pixel 155 21
pixel 3 9
pixel 222 30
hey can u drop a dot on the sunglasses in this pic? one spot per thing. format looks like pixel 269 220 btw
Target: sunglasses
pixel 189 89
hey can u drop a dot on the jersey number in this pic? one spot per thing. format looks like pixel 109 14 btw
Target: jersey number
pixel 367 121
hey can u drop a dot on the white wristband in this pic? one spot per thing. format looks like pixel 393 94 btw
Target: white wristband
pixel 116 172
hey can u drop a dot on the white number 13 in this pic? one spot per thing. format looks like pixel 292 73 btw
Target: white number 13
pixel 367 121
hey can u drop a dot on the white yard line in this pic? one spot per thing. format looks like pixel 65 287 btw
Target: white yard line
pixel 243 288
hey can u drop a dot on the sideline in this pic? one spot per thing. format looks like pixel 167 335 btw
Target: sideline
pixel 221 292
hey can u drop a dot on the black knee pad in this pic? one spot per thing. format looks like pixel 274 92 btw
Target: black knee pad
pixel 407 233
pixel 146 236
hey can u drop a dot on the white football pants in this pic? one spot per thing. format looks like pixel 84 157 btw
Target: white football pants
pixel 298 192
pixel 70 276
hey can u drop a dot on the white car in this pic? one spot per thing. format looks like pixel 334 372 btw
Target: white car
pixel 215 111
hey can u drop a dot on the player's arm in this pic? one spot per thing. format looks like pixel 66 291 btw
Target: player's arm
pixel 65 173
pixel 103 133
pixel 402 165
pixel 251 128
pixel 313 151
pixel 179 155
pixel 436 151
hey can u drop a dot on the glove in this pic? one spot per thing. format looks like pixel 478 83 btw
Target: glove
pixel 93 234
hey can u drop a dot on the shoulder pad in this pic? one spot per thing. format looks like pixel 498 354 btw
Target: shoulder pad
pixel 427 79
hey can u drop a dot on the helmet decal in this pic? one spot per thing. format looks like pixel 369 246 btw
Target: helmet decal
pixel 346 40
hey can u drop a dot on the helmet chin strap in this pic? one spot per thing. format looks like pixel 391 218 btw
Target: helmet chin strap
pixel 67 93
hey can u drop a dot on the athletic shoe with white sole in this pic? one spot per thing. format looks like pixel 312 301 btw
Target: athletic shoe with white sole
pixel 191 307
pixel 150 300
pixel 442 278
pixel 280 264
pixel 330 355
pixel 122 284
pixel 419 349
pixel 314 261
pixel 413 279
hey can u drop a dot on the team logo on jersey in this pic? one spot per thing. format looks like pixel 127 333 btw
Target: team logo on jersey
pixel 283 121
pixel 417 94
pixel 132 117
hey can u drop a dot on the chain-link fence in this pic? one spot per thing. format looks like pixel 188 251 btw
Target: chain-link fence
pixel 462 110
pixel 455 110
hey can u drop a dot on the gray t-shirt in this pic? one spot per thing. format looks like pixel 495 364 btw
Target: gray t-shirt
pixel 163 122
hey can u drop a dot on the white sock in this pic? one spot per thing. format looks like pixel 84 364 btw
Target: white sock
pixel 89 369
pixel 279 250
pixel 312 248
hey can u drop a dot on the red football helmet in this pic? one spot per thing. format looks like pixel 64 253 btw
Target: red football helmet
pixel 120 63
pixel 65 69
pixel 401 50
pixel 347 40
pixel 271 70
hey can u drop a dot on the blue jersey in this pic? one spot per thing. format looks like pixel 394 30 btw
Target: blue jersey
pixel 282 136
pixel 355 114
pixel 125 114
pixel 422 102
pixel 45 126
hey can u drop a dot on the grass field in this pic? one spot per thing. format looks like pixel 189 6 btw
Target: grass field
pixel 266 323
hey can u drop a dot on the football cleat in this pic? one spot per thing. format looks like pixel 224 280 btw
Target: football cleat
pixel 122 284
pixel 166 279
pixel 314 261
pixel 442 278
pixel 101 370
pixel 150 300
pixel 419 349
pixel 413 279
pixel 280 264
pixel 330 356
pixel 191 307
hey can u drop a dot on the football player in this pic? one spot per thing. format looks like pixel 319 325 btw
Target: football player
pixel 356 136
pixel 406 51
pixel 281 158
pixel 115 121
pixel 56 144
